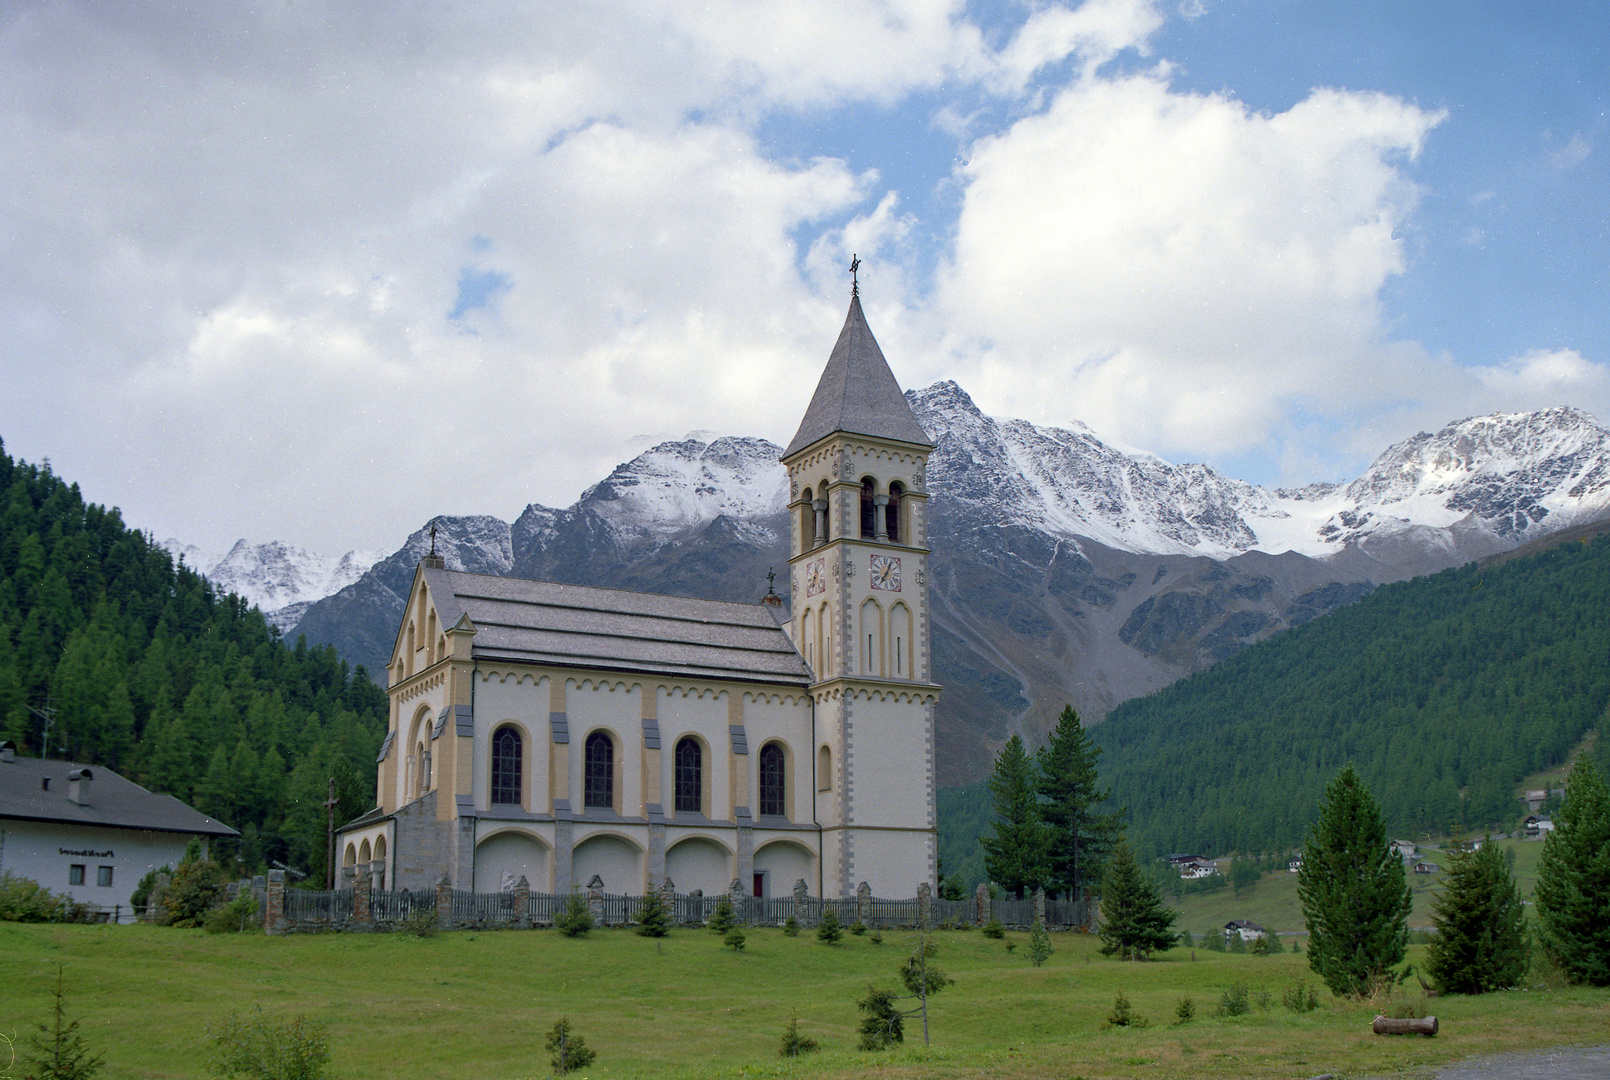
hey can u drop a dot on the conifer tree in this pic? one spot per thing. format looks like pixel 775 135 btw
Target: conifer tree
pixel 722 918
pixel 653 918
pixel 1134 922
pixel 1078 835
pixel 1573 879
pixel 1014 857
pixel 829 930
pixel 1481 941
pixel 1354 896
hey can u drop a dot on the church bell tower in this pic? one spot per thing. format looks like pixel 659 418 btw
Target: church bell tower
pixel 859 608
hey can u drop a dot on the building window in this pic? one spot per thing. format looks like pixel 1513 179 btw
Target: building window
pixel 772 780
pixel 598 784
pixel 506 766
pixel 869 509
pixel 103 876
pixel 689 777
pixel 895 492
pixel 75 874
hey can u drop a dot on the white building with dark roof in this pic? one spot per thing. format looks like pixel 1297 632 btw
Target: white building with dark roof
pixel 562 733
pixel 88 832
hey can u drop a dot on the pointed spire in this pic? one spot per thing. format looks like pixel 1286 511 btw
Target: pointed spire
pixel 858 393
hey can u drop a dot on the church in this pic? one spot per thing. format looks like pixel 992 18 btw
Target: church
pixel 574 736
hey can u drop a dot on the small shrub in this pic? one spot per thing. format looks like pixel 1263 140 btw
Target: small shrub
pixel 421 923
pixel 1264 1000
pixel 1040 943
pixel 569 1050
pixel 1186 940
pixel 828 931
pixel 857 928
pixel 877 936
pixel 58 1051
pixel 1213 941
pixel 264 1049
pixel 577 918
pixel 25 900
pixel 197 887
pixel 1296 947
pixel 235 917
pixel 882 1025
pixel 1123 1014
pixel 734 938
pixel 791 927
pixel 1011 946
pixel 1300 997
pixel 1185 1010
pixel 994 930
pixel 1237 943
pixel 142 892
pixel 1236 1001
pixel 795 1044
pixel 722 918
pixel 1268 945
pixel 653 917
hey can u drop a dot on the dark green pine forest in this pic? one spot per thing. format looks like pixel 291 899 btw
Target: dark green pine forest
pixel 1444 692
pixel 148 672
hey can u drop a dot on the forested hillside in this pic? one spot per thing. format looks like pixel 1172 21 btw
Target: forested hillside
pixel 1443 691
pixel 149 673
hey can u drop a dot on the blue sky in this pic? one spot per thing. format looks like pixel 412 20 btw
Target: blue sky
pixel 295 273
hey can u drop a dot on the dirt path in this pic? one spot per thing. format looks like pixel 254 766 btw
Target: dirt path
pixel 1563 1063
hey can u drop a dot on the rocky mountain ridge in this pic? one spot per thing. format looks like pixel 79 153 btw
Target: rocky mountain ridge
pixel 280 580
pixel 1064 569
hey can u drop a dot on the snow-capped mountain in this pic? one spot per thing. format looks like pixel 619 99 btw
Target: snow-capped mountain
pixel 277 578
pixel 1065 569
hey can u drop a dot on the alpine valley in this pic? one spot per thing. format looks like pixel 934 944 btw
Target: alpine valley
pixel 1064 570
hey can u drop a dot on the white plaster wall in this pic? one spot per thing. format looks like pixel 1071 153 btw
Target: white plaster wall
pixel 784 863
pixel 699 863
pixel 522 699
pixel 617 707
pixel 787 721
pixel 701 713
pixel 894 864
pixel 618 862
pixel 889 760
pixel 36 850
pixel 516 853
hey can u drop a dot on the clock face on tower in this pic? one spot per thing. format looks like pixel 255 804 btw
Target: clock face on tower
pixel 813 577
pixel 886 573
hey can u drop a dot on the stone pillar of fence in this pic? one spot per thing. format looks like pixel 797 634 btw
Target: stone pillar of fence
pixel 1039 905
pixel 802 902
pixel 360 898
pixel 863 904
pixel 274 916
pixel 444 903
pixel 981 905
pixel 925 906
pixel 349 878
pixel 522 903
pixel 735 893
pixel 595 904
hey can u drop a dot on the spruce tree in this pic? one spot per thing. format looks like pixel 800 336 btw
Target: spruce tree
pixel 1077 834
pixel 1481 941
pixel 1573 879
pixel 1354 896
pixel 653 917
pixel 1014 857
pixel 722 918
pixel 1134 922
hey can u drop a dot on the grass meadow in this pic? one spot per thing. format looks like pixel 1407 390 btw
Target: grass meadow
pixel 471 1004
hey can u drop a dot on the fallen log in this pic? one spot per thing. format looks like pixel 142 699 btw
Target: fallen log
pixel 1387 1025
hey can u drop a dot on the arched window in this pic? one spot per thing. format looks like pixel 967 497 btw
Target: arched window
pixel 896 493
pixel 824 769
pixel 689 777
pixel 807 638
pixel 506 766
pixel 773 776
pixel 598 781
pixel 824 526
pixel 807 520
pixel 869 510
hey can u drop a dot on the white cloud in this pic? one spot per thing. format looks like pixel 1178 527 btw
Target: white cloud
pixel 1572 154
pixel 1177 269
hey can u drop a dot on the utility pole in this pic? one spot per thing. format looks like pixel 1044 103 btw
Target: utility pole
pixel 329 819
pixel 47 714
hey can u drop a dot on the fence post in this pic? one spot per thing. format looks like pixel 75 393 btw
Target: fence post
pixel 863 904
pixel 735 893
pixel 361 886
pixel 595 903
pixel 1039 905
pixel 981 904
pixel 274 916
pixel 802 902
pixel 522 903
pixel 444 903
pixel 925 906
pixel 260 894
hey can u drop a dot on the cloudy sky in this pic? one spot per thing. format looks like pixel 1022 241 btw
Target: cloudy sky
pixel 315 272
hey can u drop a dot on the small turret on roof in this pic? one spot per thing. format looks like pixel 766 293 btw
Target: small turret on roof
pixel 858 393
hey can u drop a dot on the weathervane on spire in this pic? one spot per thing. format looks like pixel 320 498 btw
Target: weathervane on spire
pixel 855 282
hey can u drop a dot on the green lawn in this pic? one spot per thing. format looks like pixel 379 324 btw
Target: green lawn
pixel 478 1004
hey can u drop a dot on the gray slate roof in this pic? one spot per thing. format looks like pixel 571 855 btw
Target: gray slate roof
pixel 858 393
pixel 545 622
pixel 112 801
